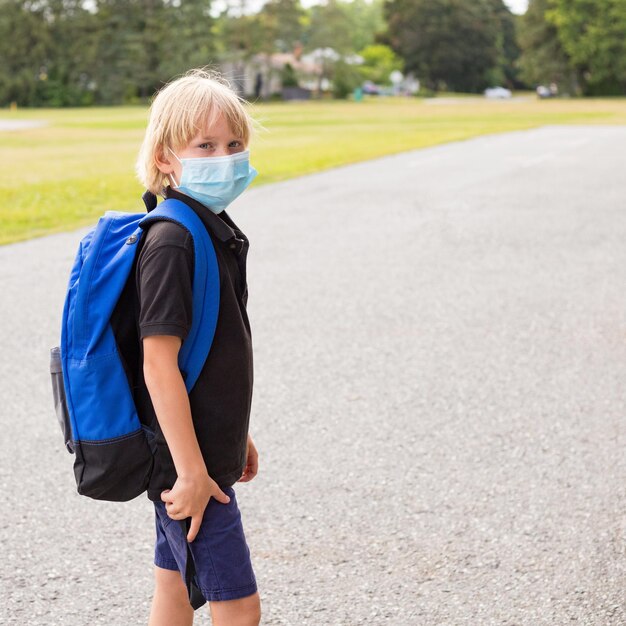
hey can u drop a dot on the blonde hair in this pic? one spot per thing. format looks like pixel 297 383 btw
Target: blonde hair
pixel 182 109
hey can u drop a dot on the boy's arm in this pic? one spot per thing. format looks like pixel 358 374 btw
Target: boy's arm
pixel 194 487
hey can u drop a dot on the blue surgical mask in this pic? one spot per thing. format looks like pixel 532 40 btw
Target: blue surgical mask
pixel 216 181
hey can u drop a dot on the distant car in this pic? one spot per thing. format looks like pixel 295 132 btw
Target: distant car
pixel 498 93
pixel 547 92
pixel 371 88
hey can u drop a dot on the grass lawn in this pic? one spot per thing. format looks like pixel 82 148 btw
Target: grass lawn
pixel 67 173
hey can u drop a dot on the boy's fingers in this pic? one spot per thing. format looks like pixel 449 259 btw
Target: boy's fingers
pixel 165 496
pixel 194 527
pixel 175 515
pixel 220 496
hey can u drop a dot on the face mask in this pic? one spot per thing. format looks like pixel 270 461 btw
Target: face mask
pixel 216 181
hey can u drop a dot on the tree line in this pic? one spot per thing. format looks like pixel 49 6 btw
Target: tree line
pixel 578 44
pixel 462 45
pixel 78 52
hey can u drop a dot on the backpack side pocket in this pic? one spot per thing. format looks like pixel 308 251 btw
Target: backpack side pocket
pixel 58 393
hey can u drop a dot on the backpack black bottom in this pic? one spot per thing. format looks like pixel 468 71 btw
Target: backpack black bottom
pixel 118 470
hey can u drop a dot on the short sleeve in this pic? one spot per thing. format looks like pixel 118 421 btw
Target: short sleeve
pixel 164 276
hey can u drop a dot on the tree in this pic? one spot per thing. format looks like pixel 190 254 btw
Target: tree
pixel 71 29
pixel 143 43
pixel 281 23
pixel 280 26
pixel 345 78
pixel 378 63
pixel 126 58
pixel 450 44
pixel 187 38
pixel 505 72
pixel 239 37
pixel 329 27
pixel 46 48
pixel 592 34
pixel 24 49
pixel 78 52
pixel 543 59
pixel 70 52
pixel 365 21
pixel 328 34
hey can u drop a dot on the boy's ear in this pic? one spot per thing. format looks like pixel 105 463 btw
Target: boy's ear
pixel 163 160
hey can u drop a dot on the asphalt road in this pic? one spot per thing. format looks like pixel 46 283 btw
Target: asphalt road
pixel 440 345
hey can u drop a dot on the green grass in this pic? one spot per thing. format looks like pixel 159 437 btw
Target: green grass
pixel 68 173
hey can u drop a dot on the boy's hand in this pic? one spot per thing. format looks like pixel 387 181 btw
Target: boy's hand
pixel 189 498
pixel 252 462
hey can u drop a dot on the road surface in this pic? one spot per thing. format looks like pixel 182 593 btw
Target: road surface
pixel 440 347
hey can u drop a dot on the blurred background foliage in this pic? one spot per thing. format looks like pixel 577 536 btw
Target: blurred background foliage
pixel 58 53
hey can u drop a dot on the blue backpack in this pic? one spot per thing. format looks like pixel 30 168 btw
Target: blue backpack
pixel 92 395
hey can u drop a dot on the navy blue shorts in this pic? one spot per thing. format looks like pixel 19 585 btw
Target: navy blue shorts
pixel 220 552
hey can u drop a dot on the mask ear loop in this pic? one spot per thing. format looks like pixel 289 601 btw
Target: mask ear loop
pixel 170 175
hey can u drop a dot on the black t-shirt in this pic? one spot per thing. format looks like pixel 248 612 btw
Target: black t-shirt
pixel 158 301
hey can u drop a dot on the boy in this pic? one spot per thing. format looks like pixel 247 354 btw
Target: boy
pixel 195 150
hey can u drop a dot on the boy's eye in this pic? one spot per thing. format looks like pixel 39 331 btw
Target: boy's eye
pixel 235 144
pixel 204 146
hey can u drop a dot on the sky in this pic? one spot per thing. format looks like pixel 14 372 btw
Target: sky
pixel 517 6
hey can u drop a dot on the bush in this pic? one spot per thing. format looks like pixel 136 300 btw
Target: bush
pixel 345 78
pixel 378 63
pixel 288 76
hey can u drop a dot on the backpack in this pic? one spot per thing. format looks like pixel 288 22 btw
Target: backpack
pixel 92 394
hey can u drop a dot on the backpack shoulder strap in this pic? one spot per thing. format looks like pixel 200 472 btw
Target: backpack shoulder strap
pixel 206 287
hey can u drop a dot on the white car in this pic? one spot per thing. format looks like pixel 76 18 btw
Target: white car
pixel 498 93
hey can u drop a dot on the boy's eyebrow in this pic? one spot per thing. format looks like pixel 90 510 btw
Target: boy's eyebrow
pixel 209 138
